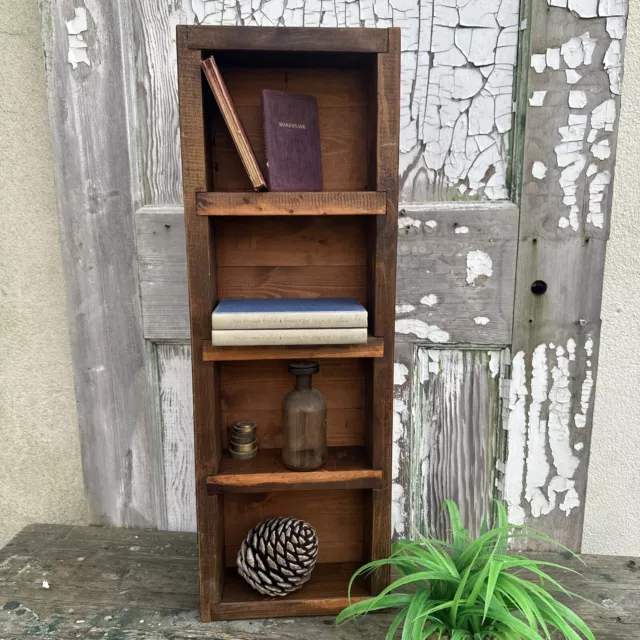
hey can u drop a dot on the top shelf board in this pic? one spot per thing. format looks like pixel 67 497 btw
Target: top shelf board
pixel 317 203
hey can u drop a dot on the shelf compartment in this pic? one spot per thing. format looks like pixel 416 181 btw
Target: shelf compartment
pixel 373 348
pixel 315 203
pixel 325 594
pixel 346 468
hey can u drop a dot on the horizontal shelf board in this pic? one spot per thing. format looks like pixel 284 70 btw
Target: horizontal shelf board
pixel 291 40
pixel 373 348
pixel 324 594
pixel 313 203
pixel 346 468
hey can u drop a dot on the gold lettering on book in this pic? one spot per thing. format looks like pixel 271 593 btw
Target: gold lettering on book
pixel 292 125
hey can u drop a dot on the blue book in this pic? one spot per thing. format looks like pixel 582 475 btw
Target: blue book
pixel 289 313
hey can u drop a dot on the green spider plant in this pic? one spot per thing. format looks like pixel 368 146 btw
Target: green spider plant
pixel 471 589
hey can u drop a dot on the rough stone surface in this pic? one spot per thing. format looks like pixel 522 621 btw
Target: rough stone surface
pixel 40 471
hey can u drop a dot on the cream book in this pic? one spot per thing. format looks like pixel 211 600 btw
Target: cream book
pixel 289 313
pixel 275 337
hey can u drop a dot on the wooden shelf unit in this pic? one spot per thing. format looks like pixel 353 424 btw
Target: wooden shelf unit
pixel 337 243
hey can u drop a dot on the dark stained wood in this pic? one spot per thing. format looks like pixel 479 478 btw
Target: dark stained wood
pixel 342 112
pixel 382 309
pixel 346 468
pixel 202 293
pixel 292 39
pixel 290 242
pixel 292 282
pixel 321 203
pixel 373 348
pixel 345 427
pixel 325 594
pixel 296 245
pixel 251 386
pixel 336 515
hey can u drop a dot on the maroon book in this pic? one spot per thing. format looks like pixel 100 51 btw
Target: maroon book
pixel 292 141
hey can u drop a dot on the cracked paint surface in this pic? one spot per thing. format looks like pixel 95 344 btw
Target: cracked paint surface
pixel 573 155
pixel 78 48
pixel 421 329
pixel 400 418
pixel 540 415
pixel 458 60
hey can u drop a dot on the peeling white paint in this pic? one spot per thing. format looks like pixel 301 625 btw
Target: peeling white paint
pixel 553 58
pixel 398 506
pixel 613 65
pixel 539 170
pixel 539 62
pixel 481 320
pixel 613 8
pixel 400 372
pixel 516 426
pixel 479 264
pixel 604 115
pixel 406 222
pixel 572 76
pixel 429 300
pixel 616 27
pixel 432 224
pixel 601 150
pixel 578 50
pixel 584 8
pixel 404 308
pixel 578 446
pixel 597 186
pixel 421 329
pixel 78 48
pixel 494 367
pixel 462 229
pixel 537 463
pixel 537 98
pixel 577 99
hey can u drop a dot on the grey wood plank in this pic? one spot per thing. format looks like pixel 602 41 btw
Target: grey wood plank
pixel 176 407
pixel 114 583
pixel 437 245
pixel 569 132
pixel 96 191
pixel 456 272
pixel 456 407
pixel 162 265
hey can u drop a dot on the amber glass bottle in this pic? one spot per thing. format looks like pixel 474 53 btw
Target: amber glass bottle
pixel 304 421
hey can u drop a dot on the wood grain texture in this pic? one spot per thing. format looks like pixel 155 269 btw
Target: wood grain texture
pixel 342 113
pixel 381 306
pixel 162 266
pixel 291 242
pixel 373 348
pixel 97 192
pixel 336 515
pixel 143 585
pixel 202 293
pixel 556 334
pixel 456 410
pixel 294 39
pixel 435 247
pixel 346 468
pixel 176 409
pixel 345 427
pixel 321 203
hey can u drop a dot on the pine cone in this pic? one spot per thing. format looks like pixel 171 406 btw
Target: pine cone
pixel 278 555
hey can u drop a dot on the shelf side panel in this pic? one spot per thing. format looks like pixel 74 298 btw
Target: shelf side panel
pixel 382 309
pixel 200 261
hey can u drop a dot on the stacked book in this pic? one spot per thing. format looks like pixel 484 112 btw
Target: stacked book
pixel 288 321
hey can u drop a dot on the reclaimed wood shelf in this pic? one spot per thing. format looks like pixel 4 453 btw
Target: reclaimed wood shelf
pixel 325 593
pixel 340 242
pixel 346 468
pixel 373 348
pixel 313 203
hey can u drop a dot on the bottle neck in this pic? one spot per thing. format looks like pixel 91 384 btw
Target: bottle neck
pixel 303 382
